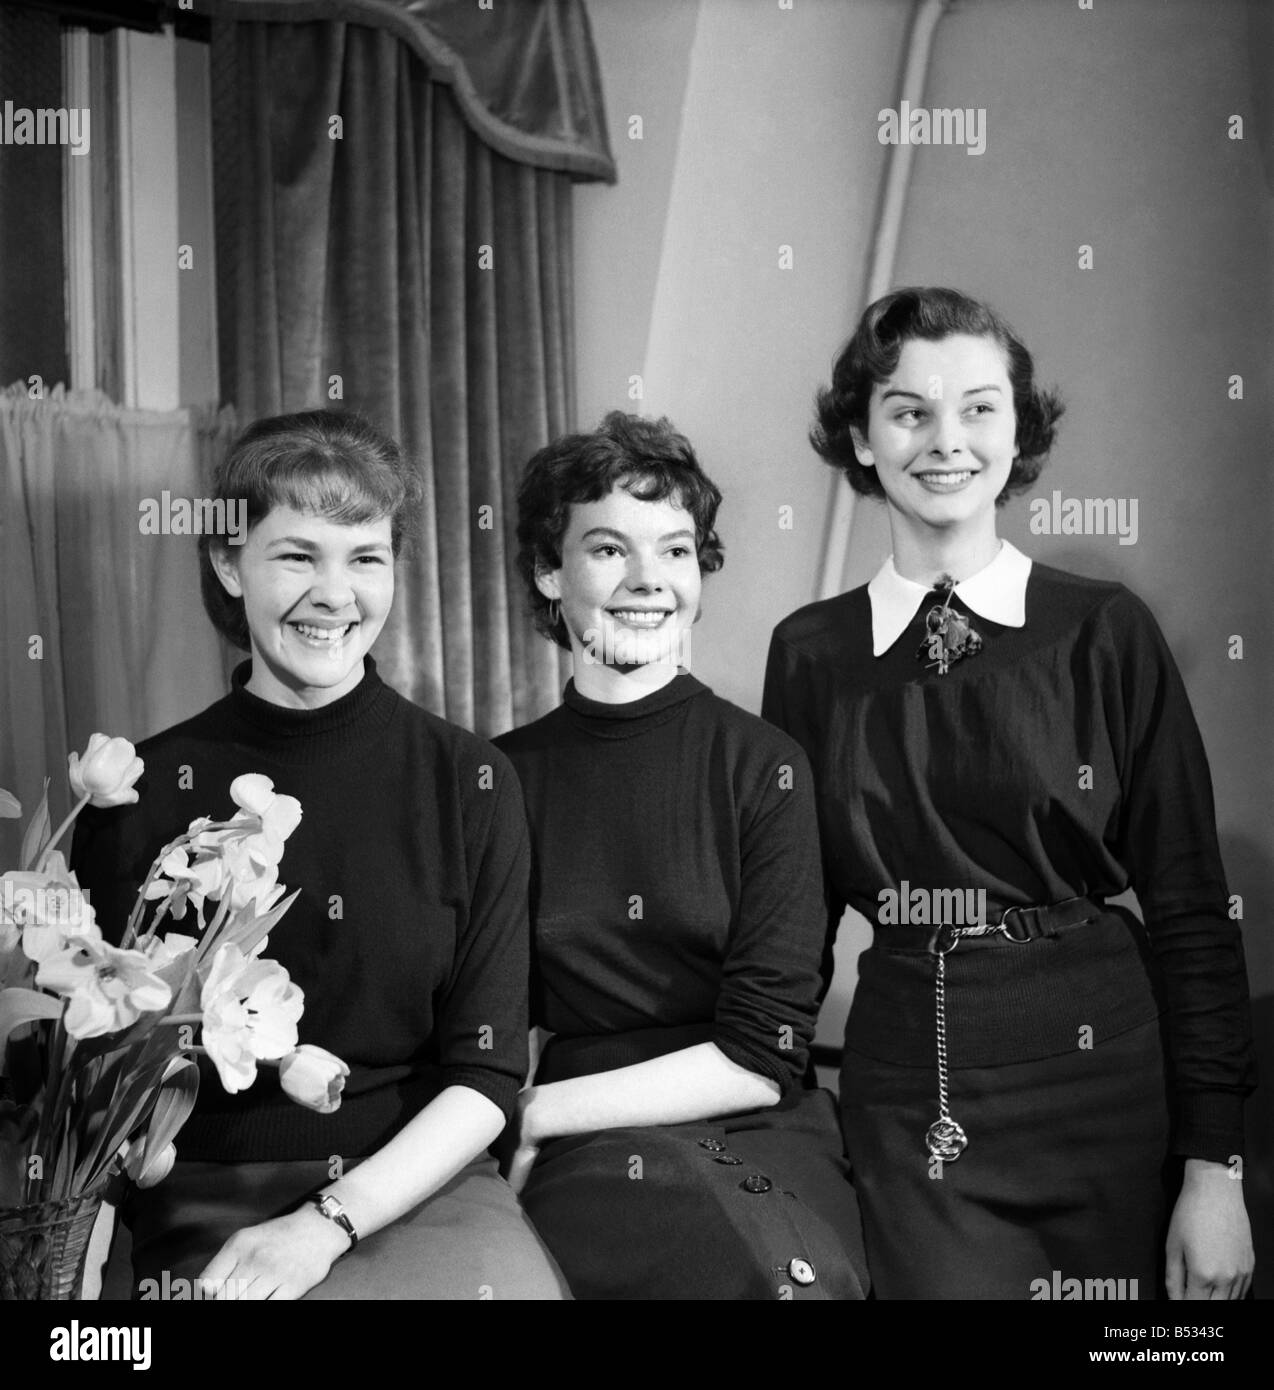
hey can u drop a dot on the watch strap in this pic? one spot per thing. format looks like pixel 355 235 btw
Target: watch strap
pixel 330 1207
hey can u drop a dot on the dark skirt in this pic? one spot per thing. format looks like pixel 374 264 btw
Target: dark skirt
pixel 470 1240
pixel 755 1206
pixel 1061 1192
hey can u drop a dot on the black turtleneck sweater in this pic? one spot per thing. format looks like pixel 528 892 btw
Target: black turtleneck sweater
pixel 675 874
pixel 409 937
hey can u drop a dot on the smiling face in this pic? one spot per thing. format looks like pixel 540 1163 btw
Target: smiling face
pixel 316 594
pixel 629 586
pixel 941 434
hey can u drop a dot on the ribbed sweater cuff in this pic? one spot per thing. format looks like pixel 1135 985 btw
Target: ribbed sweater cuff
pixel 1209 1126
pixel 498 1087
pixel 744 1052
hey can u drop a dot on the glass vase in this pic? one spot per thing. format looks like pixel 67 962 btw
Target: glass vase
pixel 43 1247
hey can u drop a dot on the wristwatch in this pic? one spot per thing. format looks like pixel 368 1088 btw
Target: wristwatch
pixel 328 1206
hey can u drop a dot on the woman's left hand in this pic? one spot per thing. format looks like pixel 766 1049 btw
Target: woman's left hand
pixel 1209 1239
pixel 283 1259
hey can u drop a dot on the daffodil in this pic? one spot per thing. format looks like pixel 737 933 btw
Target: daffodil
pixel 279 815
pixel 50 909
pixel 163 950
pixel 108 989
pixel 187 881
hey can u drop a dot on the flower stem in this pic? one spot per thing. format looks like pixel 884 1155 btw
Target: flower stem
pixel 60 831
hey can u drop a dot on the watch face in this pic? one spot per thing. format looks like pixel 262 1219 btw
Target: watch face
pixel 329 1206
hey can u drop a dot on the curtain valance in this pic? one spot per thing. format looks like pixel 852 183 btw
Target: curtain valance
pixel 524 72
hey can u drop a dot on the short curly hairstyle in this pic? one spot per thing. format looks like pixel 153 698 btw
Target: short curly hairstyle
pixel 648 458
pixel 339 466
pixel 872 354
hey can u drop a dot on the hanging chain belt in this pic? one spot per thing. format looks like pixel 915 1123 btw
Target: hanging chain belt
pixel 945 1138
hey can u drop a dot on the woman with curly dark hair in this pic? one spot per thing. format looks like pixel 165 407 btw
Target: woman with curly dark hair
pixel 1030 1073
pixel 670 1146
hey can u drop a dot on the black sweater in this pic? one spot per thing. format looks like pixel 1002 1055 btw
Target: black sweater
pixel 976 779
pixel 409 937
pixel 676 874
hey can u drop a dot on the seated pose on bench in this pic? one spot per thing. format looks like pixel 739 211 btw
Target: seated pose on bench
pixel 669 1147
pixel 409 937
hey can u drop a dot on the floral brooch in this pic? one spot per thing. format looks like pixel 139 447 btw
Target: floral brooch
pixel 948 633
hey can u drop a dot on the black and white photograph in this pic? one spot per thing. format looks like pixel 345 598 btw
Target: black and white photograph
pixel 637 666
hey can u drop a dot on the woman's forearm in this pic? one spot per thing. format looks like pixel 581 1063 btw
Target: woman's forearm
pixel 450 1132
pixel 695 1083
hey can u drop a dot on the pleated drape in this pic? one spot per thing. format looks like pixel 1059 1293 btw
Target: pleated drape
pixel 103 624
pixel 374 255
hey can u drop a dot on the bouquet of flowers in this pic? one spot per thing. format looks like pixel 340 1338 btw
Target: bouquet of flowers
pixel 97 1042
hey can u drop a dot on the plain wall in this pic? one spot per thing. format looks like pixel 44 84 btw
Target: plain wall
pixel 1105 127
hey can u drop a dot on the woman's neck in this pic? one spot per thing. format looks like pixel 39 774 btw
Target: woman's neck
pixel 924 555
pixel 619 685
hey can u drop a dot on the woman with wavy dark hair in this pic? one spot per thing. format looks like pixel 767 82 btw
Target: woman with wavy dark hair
pixel 409 937
pixel 999 748
pixel 669 1146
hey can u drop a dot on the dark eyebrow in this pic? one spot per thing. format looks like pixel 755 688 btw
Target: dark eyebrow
pixel 916 396
pixel 301 543
pixel 597 531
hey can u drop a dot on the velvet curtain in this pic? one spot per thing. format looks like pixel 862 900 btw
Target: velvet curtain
pixel 103 625
pixel 374 254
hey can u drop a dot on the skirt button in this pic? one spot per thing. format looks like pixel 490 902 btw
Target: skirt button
pixel 802 1271
pixel 756 1183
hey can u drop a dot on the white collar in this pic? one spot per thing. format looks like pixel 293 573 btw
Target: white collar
pixel 997 592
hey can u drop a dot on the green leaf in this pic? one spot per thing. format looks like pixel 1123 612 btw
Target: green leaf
pixel 19 1006
pixel 10 806
pixel 246 936
pixel 173 1104
pixel 37 836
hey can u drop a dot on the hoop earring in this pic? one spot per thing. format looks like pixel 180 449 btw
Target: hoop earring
pixel 555 613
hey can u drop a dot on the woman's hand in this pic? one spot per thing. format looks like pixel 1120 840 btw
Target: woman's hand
pixel 1209 1239
pixel 526 1145
pixel 284 1258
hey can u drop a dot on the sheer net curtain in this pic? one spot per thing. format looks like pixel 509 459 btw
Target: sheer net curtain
pixel 375 254
pixel 103 625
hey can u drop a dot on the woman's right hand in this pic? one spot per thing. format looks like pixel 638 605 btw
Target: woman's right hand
pixel 526 1147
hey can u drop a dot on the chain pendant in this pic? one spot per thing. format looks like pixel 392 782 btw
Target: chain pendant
pixel 945 1138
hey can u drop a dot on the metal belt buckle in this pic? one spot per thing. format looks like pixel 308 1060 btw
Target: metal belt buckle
pixel 1005 928
pixel 946 940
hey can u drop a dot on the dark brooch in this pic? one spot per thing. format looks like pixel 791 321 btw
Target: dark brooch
pixel 948 634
